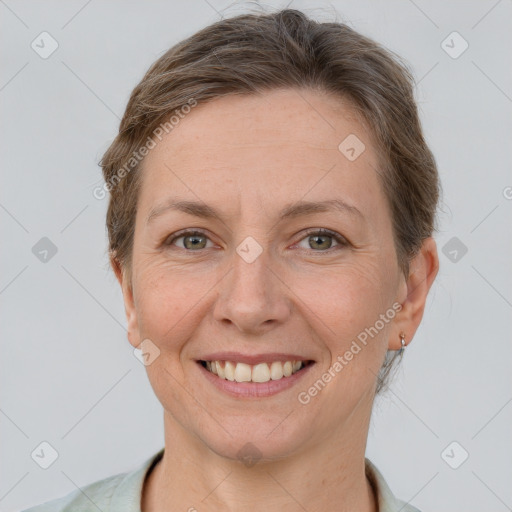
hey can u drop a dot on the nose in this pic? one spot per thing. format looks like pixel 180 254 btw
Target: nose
pixel 253 296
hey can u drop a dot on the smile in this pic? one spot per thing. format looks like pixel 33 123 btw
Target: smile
pixel 253 376
pixel 261 372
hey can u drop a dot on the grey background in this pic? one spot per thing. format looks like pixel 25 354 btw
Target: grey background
pixel 68 373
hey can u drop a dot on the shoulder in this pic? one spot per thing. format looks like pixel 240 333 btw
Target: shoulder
pixel 92 497
pixel 386 499
pixel 118 492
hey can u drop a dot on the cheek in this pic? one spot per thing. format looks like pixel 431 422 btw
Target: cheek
pixel 346 306
pixel 168 302
pixel 347 298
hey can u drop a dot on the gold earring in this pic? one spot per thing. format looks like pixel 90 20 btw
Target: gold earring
pixel 402 340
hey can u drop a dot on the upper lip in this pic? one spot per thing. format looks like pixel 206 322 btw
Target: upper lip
pixel 237 357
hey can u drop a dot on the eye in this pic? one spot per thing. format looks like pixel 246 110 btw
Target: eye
pixel 319 240
pixel 191 240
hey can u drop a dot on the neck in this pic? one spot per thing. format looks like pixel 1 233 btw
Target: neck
pixel 326 475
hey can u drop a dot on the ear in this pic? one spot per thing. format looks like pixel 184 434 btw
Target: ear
pixel 413 293
pixel 129 304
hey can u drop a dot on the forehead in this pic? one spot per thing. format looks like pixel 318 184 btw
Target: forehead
pixel 270 147
pixel 301 117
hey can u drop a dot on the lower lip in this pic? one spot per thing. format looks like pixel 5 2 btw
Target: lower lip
pixel 254 389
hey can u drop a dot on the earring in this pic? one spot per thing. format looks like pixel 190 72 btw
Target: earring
pixel 402 340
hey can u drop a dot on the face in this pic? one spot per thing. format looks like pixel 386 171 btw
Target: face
pixel 253 285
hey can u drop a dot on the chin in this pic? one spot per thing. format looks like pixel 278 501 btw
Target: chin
pixel 252 442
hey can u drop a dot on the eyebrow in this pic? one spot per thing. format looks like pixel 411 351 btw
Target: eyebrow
pixel 293 210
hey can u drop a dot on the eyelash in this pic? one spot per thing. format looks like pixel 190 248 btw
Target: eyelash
pixel 342 242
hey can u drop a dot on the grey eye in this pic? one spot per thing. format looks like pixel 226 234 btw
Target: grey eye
pixel 321 241
pixel 191 240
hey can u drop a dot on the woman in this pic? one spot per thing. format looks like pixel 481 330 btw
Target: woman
pixel 272 205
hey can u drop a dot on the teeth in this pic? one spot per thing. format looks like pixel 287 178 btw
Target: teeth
pixel 276 370
pixel 262 372
pixel 229 370
pixel 220 370
pixel 242 372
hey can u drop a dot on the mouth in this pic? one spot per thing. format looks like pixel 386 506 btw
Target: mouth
pixel 246 381
pixel 260 373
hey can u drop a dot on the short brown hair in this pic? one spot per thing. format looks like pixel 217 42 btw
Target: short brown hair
pixel 253 53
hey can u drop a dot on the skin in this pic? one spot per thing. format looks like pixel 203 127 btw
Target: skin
pixel 248 157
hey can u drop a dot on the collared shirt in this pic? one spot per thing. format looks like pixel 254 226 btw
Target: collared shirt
pixel 122 493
